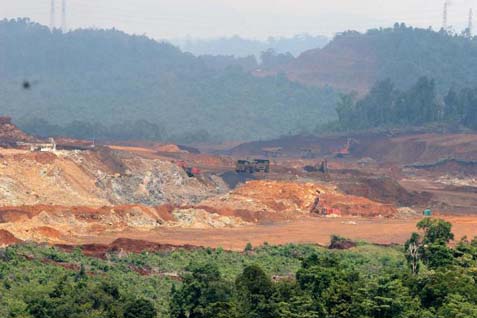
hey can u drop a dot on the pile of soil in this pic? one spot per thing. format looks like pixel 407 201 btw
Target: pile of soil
pixel 262 200
pixel 7 238
pixel 340 243
pixel 10 134
pixel 449 166
pixel 124 245
pixel 383 189
pixel 233 179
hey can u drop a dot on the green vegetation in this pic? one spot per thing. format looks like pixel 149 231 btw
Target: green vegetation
pixel 426 278
pixel 387 106
pixel 403 54
pixel 105 84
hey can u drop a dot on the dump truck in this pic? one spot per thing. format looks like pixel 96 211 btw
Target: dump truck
pixel 261 165
pixel 257 165
pixel 243 166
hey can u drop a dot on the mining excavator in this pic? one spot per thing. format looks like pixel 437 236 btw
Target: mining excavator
pixel 346 150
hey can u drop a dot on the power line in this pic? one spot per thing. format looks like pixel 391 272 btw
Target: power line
pixel 52 15
pixel 444 16
pixel 63 16
pixel 470 24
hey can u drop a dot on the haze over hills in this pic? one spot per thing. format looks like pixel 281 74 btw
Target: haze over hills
pixel 242 47
pixel 355 61
pixel 280 169
pixel 105 83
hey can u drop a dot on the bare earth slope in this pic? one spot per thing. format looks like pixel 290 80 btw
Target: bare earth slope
pixel 96 195
pixel 73 178
pixel 347 63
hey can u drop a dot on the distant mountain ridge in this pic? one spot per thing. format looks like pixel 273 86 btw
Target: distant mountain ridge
pixel 241 47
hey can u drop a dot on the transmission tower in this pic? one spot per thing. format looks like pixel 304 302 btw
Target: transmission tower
pixel 52 15
pixel 444 16
pixel 63 16
pixel 470 25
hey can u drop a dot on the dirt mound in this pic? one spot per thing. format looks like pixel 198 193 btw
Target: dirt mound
pixel 383 189
pixel 198 218
pixel 44 157
pixel 169 148
pixel 341 243
pixel 64 224
pixel 263 200
pixel 124 245
pixel 449 166
pixel 152 147
pixel 11 134
pixel 7 238
pixel 233 179
pixel 406 148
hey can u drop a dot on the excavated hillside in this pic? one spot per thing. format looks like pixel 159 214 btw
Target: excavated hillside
pixel 87 193
pixel 405 148
pixel 10 134
pixel 256 202
pixel 95 178
pixel 264 200
pixel 71 224
pixel 348 63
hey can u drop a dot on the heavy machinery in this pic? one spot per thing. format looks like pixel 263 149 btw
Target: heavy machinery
pixel 243 166
pixel 190 171
pixel 257 165
pixel 321 167
pixel 346 150
pixel 262 165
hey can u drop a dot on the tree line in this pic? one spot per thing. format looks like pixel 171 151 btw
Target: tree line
pixel 387 106
pixel 439 281
pixel 108 77
pixel 423 278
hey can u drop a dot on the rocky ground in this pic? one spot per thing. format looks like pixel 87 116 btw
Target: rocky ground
pixel 84 194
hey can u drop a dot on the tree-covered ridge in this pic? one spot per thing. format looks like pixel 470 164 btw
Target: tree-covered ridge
pixel 355 61
pixel 423 278
pixel 101 78
pixel 406 53
pixel 387 106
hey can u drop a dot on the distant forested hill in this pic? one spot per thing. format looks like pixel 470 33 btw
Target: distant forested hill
pixel 240 47
pixel 355 61
pixel 107 84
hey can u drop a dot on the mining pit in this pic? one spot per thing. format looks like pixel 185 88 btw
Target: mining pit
pixel 373 187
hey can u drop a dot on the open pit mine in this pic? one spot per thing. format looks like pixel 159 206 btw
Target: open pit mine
pixel 71 192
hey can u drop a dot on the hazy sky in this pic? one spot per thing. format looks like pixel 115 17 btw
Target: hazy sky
pixel 249 18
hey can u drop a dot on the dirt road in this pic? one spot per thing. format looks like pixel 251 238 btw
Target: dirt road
pixel 309 230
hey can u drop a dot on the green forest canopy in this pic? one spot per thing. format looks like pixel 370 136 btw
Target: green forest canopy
pixel 387 106
pixel 424 278
pixel 93 83
pixel 105 84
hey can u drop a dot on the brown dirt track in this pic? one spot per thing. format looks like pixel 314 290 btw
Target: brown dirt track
pixel 307 230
